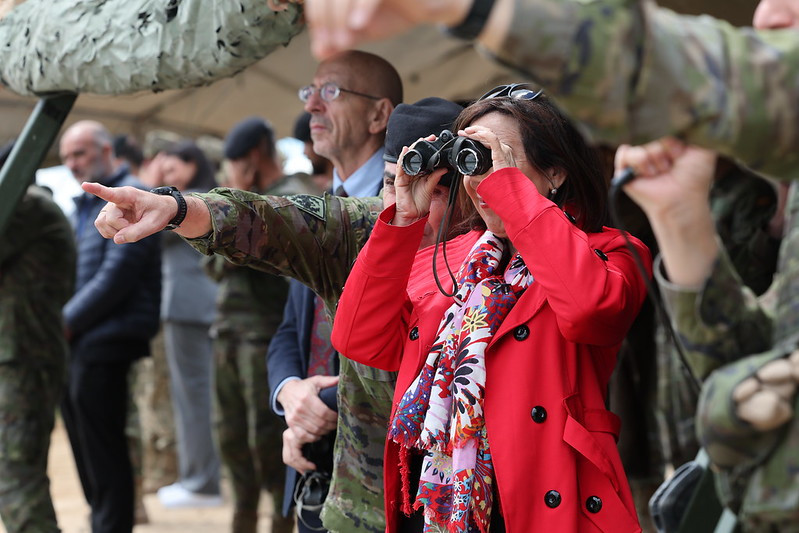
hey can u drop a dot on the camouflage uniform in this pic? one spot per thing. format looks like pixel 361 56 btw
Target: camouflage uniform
pixel 249 310
pixel 315 240
pixel 37 270
pixel 630 71
pixel 742 204
pixel 719 324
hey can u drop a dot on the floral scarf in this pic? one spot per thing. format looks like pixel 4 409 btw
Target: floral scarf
pixel 442 410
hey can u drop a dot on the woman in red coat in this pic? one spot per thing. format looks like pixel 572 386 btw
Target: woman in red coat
pixel 499 419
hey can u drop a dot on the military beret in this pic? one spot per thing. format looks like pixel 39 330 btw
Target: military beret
pixel 409 122
pixel 246 135
pixel 302 127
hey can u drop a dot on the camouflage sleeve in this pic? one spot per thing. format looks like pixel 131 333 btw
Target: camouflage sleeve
pixel 313 239
pixel 731 442
pixel 718 323
pixel 633 72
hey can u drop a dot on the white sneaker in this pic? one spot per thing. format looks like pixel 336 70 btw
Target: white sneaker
pixel 175 495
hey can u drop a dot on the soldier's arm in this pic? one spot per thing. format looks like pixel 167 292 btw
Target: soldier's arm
pixel 629 70
pixel 718 322
pixel 308 238
pixel 632 72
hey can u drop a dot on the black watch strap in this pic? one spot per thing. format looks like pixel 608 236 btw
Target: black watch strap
pixel 473 24
pixel 182 207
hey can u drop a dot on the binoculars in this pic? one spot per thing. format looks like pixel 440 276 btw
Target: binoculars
pixel 465 155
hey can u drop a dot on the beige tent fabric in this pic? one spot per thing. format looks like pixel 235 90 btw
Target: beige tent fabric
pixel 124 46
pixel 8 5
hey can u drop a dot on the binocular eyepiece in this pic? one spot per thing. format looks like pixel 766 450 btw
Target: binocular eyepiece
pixel 465 155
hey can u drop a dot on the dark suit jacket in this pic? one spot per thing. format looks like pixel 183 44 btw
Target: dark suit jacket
pixel 114 311
pixel 288 356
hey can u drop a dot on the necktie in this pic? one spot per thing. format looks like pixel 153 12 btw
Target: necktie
pixel 340 191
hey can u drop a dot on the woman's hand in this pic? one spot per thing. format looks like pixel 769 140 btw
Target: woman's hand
pixel 414 193
pixel 502 155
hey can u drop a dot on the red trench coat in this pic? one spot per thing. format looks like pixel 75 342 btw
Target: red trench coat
pixel 553 443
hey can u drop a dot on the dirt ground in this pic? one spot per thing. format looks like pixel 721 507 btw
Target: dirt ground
pixel 73 511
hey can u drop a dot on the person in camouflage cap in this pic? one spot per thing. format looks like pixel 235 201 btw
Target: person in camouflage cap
pixel 249 309
pixel 37 275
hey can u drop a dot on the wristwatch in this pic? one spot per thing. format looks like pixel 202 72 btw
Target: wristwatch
pixel 473 24
pixel 182 207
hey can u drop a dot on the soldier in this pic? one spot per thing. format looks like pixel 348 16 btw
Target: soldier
pixel 629 71
pixel 249 309
pixel 748 218
pixel 37 274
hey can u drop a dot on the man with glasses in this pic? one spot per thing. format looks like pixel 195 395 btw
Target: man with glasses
pixel 350 101
pixel 351 97
pixel 311 239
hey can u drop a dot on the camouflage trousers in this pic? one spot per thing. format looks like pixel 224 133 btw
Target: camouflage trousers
pixel 249 433
pixel 158 463
pixel 28 399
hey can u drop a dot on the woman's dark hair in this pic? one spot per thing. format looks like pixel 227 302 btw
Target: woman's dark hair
pixel 188 152
pixel 551 141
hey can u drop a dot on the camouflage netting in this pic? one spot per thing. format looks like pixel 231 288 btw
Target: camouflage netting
pixel 125 46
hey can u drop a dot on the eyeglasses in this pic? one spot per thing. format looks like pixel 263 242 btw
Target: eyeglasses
pixel 518 91
pixel 328 92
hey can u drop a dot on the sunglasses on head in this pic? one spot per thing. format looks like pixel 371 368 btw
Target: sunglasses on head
pixel 517 91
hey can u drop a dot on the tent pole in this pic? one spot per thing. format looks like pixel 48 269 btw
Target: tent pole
pixel 30 149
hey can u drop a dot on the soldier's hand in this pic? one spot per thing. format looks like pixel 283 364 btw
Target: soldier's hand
pixel 306 414
pixel 766 400
pixel 338 25
pixel 131 214
pixel 670 175
pixel 292 453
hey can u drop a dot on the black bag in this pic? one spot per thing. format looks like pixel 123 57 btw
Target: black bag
pixel 312 487
pixel 309 495
pixel 668 504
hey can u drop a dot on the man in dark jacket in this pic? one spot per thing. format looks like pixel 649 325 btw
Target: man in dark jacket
pixel 108 322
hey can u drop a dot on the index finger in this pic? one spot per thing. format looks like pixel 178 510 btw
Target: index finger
pixel 109 194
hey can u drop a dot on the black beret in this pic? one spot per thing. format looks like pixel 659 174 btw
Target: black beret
pixel 409 122
pixel 302 127
pixel 246 135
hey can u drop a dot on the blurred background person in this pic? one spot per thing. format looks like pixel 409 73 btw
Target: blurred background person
pixel 187 311
pixel 109 322
pixel 321 167
pixel 37 277
pixel 249 310
pixel 128 152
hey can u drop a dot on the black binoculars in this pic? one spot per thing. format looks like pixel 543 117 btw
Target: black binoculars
pixel 465 155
